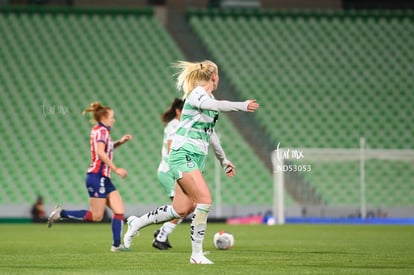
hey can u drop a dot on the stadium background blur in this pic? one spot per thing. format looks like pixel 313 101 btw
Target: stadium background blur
pixel 325 73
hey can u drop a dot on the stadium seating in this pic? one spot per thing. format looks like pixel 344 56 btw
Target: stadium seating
pixel 54 63
pixel 325 79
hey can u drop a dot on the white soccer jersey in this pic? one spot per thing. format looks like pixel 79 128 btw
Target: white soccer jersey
pixel 198 119
pixel 169 132
pixel 196 124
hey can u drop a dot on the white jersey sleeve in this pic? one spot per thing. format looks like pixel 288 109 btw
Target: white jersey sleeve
pixel 200 99
pixel 169 133
pixel 171 128
pixel 218 150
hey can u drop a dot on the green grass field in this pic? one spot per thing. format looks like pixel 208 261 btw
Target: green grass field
pixel 259 249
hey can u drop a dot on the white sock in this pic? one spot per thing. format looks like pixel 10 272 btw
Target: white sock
pixel 198 227
pixel 161 214
pixel 165 230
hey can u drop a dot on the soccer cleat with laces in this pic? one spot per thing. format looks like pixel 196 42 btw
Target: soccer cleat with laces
pixel 131 232
pixel 54 216
pixel 199 259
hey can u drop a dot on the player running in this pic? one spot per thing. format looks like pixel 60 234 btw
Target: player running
pixel 189 151
pixel 102 192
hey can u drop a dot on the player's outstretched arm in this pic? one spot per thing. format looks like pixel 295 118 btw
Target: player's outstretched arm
pixel 229 106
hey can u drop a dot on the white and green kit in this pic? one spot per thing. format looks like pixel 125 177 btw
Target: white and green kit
pixel 196 132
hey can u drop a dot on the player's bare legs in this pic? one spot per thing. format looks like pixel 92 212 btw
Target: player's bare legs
pixel 195 189
pixel 161 236
pixel 97 208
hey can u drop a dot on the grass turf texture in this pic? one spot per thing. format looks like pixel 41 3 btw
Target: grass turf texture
pixel 259 249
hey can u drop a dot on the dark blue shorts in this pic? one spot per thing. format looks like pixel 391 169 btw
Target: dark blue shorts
pixel 99 186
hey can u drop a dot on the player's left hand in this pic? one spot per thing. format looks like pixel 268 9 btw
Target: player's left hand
pixel 230 169
pixel 125 138
pixel 252 105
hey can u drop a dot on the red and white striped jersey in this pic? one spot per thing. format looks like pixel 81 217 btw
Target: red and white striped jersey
pixel 100 133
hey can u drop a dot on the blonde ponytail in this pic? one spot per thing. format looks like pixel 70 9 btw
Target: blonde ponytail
pixel 190 74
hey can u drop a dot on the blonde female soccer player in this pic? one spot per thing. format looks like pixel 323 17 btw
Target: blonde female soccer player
pixel 189 151
pixel 102 192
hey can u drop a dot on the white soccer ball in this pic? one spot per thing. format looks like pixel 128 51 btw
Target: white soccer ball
pixel 223 240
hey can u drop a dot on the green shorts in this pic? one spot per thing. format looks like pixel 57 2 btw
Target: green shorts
pixel 181 161
pixel 167 181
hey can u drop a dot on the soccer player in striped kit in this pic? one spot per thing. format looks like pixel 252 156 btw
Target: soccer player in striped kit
pixel 189 151
pixel 102 192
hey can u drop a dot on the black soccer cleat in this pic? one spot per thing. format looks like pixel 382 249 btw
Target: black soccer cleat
pixel 160 245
